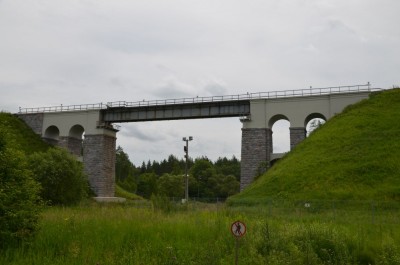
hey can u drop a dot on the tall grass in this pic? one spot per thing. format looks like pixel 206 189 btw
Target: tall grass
pixel 123 234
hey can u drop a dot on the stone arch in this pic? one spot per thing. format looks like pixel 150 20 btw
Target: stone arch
pixel 311 117
pixel 52 132
pixel 76 132
pixel 280 134
pixel 75 139
pixel 276 118
pixel 52 135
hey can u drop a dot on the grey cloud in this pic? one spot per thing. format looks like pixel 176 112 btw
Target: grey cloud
pixel 138 42
pixel 134 131
pixel 215 88
pixel 173 88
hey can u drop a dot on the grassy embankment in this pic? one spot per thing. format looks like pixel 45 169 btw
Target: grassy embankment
pixel 354 156
pixel 20 136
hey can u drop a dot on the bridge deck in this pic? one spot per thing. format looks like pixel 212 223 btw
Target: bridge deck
pixel 177 111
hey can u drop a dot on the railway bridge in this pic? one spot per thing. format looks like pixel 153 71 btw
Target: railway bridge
pixel 89 131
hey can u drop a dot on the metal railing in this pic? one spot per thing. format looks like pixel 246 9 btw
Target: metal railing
pixel 248 96
pixel 63 108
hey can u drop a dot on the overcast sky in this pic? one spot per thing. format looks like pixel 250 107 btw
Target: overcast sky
pixel 56 52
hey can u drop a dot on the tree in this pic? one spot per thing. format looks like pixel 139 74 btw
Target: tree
pixel 202 169
pixel 20 203
pixel 128 184
pixel 125 172
pixel 227 167
pixel 147 185
pixel 227 186
pixel 60 175
pixel 149 167
pixel 143 168
pixel 206 180
pixel 203 172
pixel 171 185
pixel 123 166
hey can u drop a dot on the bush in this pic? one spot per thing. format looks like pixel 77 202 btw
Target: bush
pixel 171 186
pixel 161 202
pixel 20 202
pixel 61 176
pixel 147 185
pixel 128 184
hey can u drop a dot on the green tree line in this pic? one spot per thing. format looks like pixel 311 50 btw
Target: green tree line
pixel 207 179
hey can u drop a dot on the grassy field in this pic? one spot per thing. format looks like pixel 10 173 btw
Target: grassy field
pixel 128 234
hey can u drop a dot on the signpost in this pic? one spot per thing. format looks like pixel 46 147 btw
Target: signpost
pixel 238 230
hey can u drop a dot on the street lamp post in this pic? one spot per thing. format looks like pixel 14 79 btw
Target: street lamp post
pixel 186 149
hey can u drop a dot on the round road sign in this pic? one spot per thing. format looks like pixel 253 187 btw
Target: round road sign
pixel 238 229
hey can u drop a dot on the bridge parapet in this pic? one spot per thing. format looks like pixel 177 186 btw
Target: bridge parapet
pixel 248 96
pixel 194 100
pixel 63 108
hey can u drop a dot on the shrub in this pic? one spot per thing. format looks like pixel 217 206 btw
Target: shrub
pixel 161 202
pixel 61 176
pixel 128 184
pixel 147 185
pixel 20 202
pixel 171 186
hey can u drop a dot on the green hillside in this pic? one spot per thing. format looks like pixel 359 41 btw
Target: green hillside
pixel 354 156
pixel 20 136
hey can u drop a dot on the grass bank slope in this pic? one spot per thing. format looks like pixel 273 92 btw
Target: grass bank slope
pixel 20 136
pixel 354 156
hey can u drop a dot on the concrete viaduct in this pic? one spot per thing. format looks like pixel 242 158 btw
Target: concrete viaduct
pixel 88 131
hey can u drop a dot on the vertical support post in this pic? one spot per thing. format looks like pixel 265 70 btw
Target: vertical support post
pixel 186 172
pixel 297 134
pixel 99 163
pixel 256 149
pixel 186 149
pixel 236 250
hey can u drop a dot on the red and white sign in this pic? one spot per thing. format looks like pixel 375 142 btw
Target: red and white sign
pixel 238 229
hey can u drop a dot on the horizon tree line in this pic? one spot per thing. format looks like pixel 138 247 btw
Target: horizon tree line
pixel 207 179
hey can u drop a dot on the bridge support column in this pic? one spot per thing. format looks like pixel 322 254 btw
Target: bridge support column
pixel 297 134
pixel 256 149
pixel 73 145
pixel 99 163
